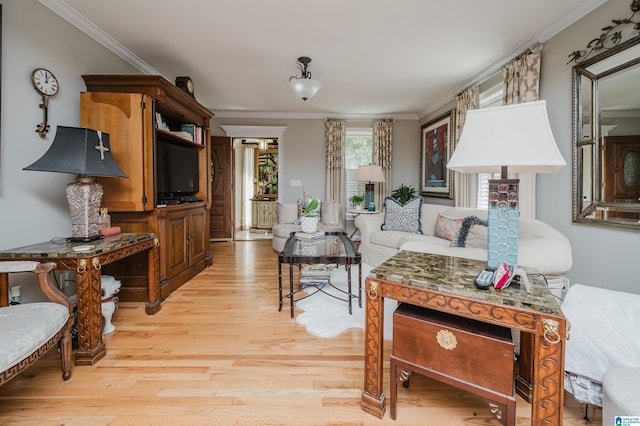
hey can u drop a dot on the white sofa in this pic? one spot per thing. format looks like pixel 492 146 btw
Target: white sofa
pixel 602 340
pixel 331 220
pixel 540 246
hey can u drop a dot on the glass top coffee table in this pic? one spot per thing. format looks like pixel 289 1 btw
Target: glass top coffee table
pixel 335 248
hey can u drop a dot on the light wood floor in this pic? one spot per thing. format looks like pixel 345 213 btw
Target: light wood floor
pixel 220 353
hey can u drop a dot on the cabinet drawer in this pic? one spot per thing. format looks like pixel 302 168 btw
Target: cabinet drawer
pixel 472 353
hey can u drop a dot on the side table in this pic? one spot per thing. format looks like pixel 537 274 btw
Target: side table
pixel 88 265
pixel 355 213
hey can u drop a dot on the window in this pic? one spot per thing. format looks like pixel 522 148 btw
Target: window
pixel 358 149
pixel 490 97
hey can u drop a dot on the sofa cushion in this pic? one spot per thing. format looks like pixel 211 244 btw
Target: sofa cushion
pixel 331 213
pixel 477 237
pixel 402 217
pixel 284 230
pixel 447 227
pixel 460 239
pixel 287 212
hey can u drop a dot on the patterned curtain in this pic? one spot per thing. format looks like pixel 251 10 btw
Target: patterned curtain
pixel 382 156
pixel 522 84
pixel 335 134
pixel 465 185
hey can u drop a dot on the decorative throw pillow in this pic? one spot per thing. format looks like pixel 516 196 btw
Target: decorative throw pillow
pixel 477 236
pixel 460 238
pixel 447 227
pixel 402 217
pixel 287 212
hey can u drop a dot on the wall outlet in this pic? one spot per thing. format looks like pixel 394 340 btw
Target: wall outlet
pixel 295 182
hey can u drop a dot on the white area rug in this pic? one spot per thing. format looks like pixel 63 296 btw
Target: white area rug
pixel 325 316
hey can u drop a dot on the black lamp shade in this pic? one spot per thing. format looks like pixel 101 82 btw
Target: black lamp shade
pixel 80 151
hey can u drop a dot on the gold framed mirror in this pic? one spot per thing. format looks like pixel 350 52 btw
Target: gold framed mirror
pixel 606 129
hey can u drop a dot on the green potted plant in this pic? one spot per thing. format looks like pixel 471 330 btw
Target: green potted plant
pixel 309 218
pixel 356 201
pixel 403 193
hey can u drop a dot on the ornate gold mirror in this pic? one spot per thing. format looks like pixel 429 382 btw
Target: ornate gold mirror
pixel 606 133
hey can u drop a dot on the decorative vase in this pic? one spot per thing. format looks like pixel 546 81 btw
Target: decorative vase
pixel 309 224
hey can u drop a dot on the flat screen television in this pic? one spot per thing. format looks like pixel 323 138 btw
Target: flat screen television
pixel 176 170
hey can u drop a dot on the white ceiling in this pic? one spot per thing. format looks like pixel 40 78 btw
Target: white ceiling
pixel 373 57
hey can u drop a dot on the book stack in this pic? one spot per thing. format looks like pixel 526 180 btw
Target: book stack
pixel 316 274
pixel 194 131
pixel 310 236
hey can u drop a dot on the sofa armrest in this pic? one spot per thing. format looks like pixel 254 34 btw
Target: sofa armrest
pixel 368 223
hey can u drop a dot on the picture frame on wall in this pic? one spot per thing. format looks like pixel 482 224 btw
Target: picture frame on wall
pixel 436 147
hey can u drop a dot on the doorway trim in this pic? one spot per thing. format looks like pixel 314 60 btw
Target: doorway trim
pixel 260 132
pixel 239 132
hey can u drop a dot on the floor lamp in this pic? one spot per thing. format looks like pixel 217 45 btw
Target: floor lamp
pixel 87 153
pixel 369 173
pixel 511 138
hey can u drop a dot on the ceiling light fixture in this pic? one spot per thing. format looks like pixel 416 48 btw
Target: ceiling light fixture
pixel 303 86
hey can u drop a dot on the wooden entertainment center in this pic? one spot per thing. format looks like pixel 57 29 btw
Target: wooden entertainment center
pixel 141 113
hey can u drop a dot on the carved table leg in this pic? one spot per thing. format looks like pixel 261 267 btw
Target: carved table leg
pixel 373 399
pixel 153 287
pixel 90 345
pixel 548 386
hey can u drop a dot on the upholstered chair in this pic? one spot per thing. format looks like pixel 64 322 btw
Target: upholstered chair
pixel 331 220
pixel 28 331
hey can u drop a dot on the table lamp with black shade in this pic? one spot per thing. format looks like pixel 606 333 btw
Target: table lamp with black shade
pixel 87 153
pixel 511 138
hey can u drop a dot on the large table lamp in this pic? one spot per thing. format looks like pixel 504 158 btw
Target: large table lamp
pixel 87 153
pixel 511 138
pixel 369 173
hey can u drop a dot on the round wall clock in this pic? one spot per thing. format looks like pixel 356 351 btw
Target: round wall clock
pixel 46 84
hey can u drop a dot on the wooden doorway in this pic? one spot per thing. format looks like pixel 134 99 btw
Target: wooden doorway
pixel 221 216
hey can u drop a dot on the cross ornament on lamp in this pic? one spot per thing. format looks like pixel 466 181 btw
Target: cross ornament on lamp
pixel 515 138
pixel 369 173
pixel 87 153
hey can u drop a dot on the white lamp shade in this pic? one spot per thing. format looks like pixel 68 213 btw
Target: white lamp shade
pixel 304 88
pixel 518 136
pixel 369 173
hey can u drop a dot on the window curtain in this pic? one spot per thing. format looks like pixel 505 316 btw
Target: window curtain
pixel 522 84
pixel 247 184
pixel 382 156
pixel 465 185
pixel 335 134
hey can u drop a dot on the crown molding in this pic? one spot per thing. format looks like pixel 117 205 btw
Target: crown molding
pixel 310 115
pixel 556 27
pixel 89 28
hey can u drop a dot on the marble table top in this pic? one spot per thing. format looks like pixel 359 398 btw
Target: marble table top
pixel 62 249
pixel 455 275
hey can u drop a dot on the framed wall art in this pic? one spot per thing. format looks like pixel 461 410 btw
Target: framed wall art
pixel 435 150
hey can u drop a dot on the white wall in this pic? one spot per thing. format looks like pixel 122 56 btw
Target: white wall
pixel 601 257
pixel 33 206
pixel 303 152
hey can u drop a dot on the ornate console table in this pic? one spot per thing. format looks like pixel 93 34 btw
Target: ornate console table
pixel 88 265
pixel 445 284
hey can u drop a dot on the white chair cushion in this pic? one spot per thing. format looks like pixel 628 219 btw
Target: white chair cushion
pixel 24 328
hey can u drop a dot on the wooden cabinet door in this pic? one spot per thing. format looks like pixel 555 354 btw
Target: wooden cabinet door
pixel 177 243
pixel 221 216
pixel 198 240
pixel 127 118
